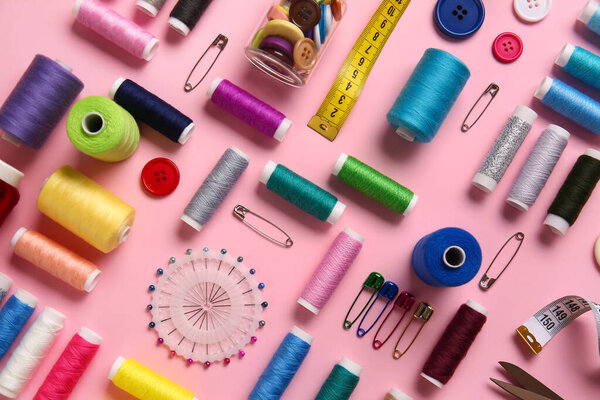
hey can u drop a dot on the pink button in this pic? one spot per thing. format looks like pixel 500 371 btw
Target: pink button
pixel 507 47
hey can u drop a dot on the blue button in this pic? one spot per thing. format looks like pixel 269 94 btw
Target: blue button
pixel 459 18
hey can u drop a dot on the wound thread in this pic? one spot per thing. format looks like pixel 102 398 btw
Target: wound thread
pixel 13 317
pixel 186 14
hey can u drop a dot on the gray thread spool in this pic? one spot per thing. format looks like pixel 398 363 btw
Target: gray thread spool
pixel 215 187
pixel 150 7
pixel 502 153
pixel 538 167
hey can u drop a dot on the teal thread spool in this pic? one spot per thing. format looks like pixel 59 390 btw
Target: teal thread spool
pixel 580 63
pixel 302 193
pixel 428 96
pixel 341 382
pixel 374 184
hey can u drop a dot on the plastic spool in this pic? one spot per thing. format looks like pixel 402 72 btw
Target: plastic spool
pixel 341 382
pixel 597 251
pixel 13 317
pixel 150 8
pixel 589 16
pixel 9 194
pixel 5 284
pixel 10 175
pixel 395 394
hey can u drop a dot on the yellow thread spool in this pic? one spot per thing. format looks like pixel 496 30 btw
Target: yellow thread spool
pixel 145 384
pixel 85 208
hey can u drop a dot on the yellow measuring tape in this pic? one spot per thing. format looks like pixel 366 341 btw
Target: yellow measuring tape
pixel 352 77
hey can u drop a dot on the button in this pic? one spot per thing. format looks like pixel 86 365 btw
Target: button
pixel 532 10
pixel 277 43
pixel 284 29
pixel 160 176
pixel 285 58
pixel 260 35
pixel 507 47
pixel 277 12
pixel 459 18
pixel 305 13
pixel 305 54
pixel 336 9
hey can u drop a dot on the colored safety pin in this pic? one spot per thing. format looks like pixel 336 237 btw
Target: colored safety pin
pixel 220 42
pixel 374 281
pixel 404 303
pixel 493 90
pixel 388 291
pixel 240 211
pixel 423 313
pixel 487 282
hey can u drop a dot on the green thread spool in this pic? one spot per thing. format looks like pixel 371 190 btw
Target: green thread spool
pixel 100 128
pixel 341 382
pixel 374 184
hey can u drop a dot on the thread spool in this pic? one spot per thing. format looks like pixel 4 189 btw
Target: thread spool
pixel 5 284
pixel 68 369
pixel 302 193
pixel 150 7
pixel 574 192
pixel 580 63
pixel 116 29
pixel 447 257
pixel 33 348
pixel 55 259
pixel 152 110
pixel 13 317
pixel 283 366
pixel 538 167
pixel 9 194
pixel 395 394
pixel 186 14
pixel 590 16
pixel 570 103
pixel 249 109
pixel 341 382
pixel 332 268
pixel 505 147
pixel 374 184
pixel 143 383
pixel 428 95
pixel 86 209
pixel 454 344
pixel 38 102
pixel 100 128
pixel 215 188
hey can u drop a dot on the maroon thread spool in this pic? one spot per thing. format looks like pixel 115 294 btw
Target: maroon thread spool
pixel 454 343
pixel 9 195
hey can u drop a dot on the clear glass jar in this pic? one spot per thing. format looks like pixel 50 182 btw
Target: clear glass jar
pixel 289 40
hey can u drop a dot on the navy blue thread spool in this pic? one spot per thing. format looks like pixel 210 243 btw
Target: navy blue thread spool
pixel 13 317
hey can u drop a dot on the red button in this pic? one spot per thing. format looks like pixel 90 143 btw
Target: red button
pixel 507 47
pixel 160 176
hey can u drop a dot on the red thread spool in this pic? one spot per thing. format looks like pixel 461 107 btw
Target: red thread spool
pixel 9 195
pixel 454 343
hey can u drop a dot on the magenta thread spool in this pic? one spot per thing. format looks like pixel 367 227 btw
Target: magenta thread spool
pixel 117 29
pixel 332 268
pixel 249 109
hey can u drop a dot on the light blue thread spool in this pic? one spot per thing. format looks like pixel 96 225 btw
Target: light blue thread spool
pixel 580 63
pixel 428 96
pixel 590 16
pixel 283 366
pixel 14 316
pixel 570 103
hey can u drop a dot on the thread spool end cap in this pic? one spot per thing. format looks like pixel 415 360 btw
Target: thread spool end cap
pixel 299 333
pixel 477 307
pixel 353 234
pixel 93 123
pixel 557 224
pixel 454 257
pixel 146 8
pixel 267 172
pixel 90 336
pixel 179 26
pixel 213 86
pixel 543 88
pixel 432 380
pixel 588 12
pixel 304 303
pixel 484 183
pixel 18 234
pixel 518 204
pixel 77 7
pixel 150 49
pixel 26 297
pixel 411 205
pixel 339 164
pixel 336 213
pixel 92 280
pixel 63 64
pixel 565 54
pixel 187 133
pixel 115 368
pixel 115 87
pixel 559 130
pixel 10 139
pixel 351 366
pixel 125 234
pixel 282 129
pixel 597 251
pixel 525 113
pixel 53 316
pixel 5 281
pixel 405 134
pixel 592 153
pixel 191 222
pixel 10 174
pixel 399 395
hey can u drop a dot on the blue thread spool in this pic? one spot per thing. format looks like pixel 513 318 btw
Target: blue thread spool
pixel 14 316
pixel 428 96
pixel 283 366
pixel 590 16
pixel 447 257
pixel 580 63
pixel 302 193
pixel 570 103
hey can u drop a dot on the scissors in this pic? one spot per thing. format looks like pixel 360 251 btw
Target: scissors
pixel 530 389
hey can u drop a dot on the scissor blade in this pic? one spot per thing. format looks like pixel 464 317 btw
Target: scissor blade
pixel 528 381
pixel 518 392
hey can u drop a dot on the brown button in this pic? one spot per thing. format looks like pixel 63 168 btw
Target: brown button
pixel 336 9
pixel 305 54
pixel 305 13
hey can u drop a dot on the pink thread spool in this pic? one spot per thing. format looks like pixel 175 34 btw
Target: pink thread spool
pixel 249 109
pixel 71 365
pixel 115 28
pixel 326 278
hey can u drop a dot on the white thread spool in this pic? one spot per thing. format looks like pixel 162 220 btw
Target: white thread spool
pixel 395 394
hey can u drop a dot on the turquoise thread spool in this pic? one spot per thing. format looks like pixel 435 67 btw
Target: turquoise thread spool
pixel 341 382
pixel 580 63
pixel 590 16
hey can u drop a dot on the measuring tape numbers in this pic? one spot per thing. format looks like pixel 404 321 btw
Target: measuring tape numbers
pixel 352 77
pixel 547 322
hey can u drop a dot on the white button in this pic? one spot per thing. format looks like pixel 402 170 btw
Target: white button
pixel 532 10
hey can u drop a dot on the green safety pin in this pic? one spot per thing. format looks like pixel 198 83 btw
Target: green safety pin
pixel 374 281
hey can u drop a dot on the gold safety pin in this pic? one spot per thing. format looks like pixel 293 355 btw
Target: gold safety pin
pixel 493 90
pixel 220 42
pixel 424 312
pixel 240 211
pixel 487 282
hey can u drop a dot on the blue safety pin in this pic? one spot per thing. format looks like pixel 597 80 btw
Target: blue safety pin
pixel 388 291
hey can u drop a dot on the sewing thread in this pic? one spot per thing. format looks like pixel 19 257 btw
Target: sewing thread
pixel 5 284
pixel 13 317
pixel 341 382
pixel 395 394
pixel 580 63
pixel 150 7
pixel 9 194
pixel 590 16
pixel 186 14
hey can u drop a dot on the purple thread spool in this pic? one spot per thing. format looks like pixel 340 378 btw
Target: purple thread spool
pixel 249 109
pixel 38 102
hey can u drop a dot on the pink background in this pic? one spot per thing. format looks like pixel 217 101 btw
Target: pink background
pixel 439 172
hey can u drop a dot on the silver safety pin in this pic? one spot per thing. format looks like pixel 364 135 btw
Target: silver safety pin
pixel 220 42
pixel 493 90
pixel 487 282
pixel 240 211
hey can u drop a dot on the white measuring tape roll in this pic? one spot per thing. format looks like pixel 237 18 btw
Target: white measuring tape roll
pixel 547 322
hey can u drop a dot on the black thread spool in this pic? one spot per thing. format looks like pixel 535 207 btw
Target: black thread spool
pixel 186 14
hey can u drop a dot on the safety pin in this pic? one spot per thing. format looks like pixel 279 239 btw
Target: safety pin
pixel 493 90
pixel 374 281
pixel 240 211
pixel 487 282
pixel 404 302
pixel 388 291
pixel 220 42
pixel 424 313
